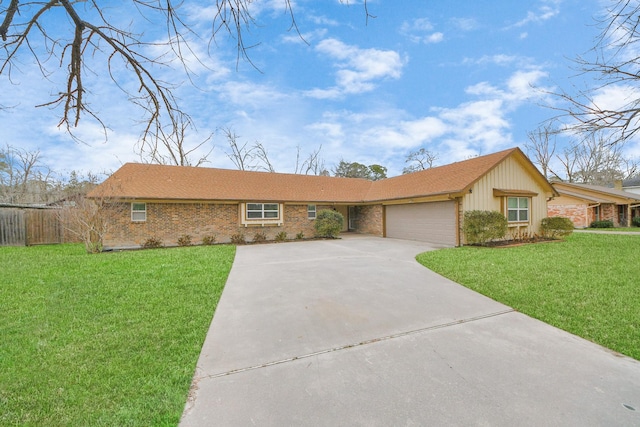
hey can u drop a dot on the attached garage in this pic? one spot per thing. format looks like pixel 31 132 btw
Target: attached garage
pixel 433 222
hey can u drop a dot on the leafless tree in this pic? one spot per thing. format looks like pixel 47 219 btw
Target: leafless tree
pixel 261 154
pixel 241 155
pixel 614 62
pixel 23 177
pixel 27 28
pixel 542 146
pixel 595 160
pixel 313 164
pixel 420 160
pixel 170 146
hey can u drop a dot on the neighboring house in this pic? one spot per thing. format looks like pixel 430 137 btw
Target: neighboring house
pixel 584 204
pixel 629 185
pixel 167 202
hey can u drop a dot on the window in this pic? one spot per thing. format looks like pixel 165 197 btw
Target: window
pixel 138 212
pixel 263 211
pixel 311 211
pixel 518 209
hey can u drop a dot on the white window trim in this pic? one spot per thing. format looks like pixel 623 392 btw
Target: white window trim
pixel 246 221
pixel 138 211
pixel 518 221
pixel 311 213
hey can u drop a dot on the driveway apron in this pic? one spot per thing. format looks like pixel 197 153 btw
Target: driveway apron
pixel 355 332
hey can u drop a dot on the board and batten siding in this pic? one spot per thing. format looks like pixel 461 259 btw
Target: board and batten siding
pixel 508 175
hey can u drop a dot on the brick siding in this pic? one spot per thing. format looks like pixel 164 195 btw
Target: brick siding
pixel 576 213
pixel 582 216
pixel 370 220
pixel 169 221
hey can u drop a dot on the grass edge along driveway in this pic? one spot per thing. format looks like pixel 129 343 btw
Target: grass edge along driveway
pixel 586 285
pixel 107 339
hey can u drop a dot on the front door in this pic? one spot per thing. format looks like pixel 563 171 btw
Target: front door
pixel 353 218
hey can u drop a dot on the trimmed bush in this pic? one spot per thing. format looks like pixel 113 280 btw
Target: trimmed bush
pixel 635 221
pixel 259 237
pixel 152 243
pixel 238 238
pixel 184 240
pixel 601 224
pixel 556 227
pixel 328 223
pixel 209 240
pixel 281 236
pixel 481 227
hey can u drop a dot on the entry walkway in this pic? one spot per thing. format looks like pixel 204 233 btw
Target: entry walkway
pixel 355 332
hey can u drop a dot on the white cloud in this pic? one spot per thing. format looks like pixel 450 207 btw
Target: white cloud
pixel 477 126
pixel 544 13
pixel 359 70
pixel 465 24
pixel 420 30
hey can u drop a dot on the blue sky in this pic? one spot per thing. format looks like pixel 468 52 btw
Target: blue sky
pixel 457 78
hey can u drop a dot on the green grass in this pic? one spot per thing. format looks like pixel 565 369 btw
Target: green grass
pixel 588 285
pixel 108 339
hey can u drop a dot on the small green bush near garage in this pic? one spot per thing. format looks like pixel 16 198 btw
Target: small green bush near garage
pixel 103 340
pixel 328 223
pixel 482 227
pixel 587 285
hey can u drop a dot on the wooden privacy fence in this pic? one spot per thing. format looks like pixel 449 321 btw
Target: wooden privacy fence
pixel 29 226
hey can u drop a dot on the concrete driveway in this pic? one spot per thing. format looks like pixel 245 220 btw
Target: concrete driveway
pixel 355 332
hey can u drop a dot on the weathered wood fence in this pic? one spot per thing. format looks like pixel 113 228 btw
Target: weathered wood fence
pixel 29 226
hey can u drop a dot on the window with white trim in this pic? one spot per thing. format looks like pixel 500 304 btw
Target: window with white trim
pixel 138 212
pixel 311 211
pixel 518 209
pixel 263 210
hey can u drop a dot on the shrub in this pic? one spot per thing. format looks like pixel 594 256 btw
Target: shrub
pixel 184 240
pixel 328 223
pixel 556 227
pixel 238 238
pixel 209 239
pixel 152 243
pixel 300 236
pixel 259 237
pixel 281 236
pixel 601 224
pixel 635 221
pixel 481 227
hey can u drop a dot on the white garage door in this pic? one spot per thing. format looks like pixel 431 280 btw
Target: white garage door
pixel 428 222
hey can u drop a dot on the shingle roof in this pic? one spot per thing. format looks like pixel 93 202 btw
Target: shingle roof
pixel 145 181
pixel 594 192
pixel 449 179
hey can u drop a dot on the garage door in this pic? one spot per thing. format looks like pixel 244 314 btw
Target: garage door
pixel 428 222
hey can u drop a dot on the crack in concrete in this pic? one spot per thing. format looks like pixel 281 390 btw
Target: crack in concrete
pixel 359 344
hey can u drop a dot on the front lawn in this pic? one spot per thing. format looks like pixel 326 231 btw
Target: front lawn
pixel 109 339
pixel 588 285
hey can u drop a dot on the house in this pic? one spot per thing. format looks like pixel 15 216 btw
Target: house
pixel 631 185
pixel 584 204
pixel 167 202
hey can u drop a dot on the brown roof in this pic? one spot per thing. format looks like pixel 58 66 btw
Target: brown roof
pixel 596 193
pixel 449 179
pixel 145 181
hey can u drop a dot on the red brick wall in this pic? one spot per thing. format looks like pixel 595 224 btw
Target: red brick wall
pixel 576 213
pixel 169 221
pixel 582 216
